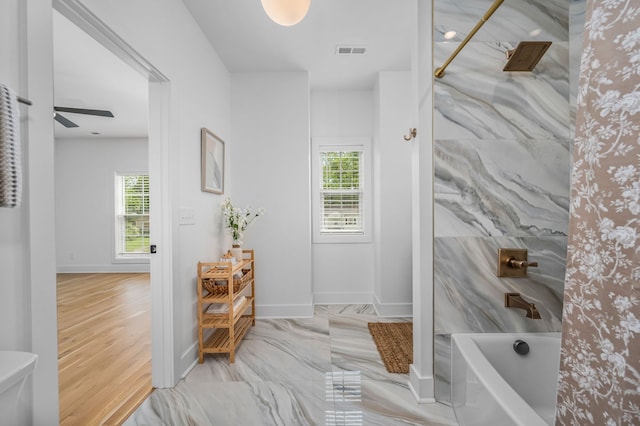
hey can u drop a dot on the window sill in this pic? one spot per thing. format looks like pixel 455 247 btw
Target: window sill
pixel 341 239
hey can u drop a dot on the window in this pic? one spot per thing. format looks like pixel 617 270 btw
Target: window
pixel 341 191
pixel 132 215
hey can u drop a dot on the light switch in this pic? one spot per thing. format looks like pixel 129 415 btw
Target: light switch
pixel 187 216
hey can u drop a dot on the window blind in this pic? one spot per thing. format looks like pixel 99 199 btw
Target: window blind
pixel 132 215
pixel 341 194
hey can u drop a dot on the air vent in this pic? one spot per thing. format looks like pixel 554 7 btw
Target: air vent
pixel 351 50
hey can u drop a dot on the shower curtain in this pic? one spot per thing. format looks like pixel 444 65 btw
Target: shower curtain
pixel 599 380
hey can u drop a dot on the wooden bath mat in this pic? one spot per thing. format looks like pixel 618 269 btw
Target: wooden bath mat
pixel 395 344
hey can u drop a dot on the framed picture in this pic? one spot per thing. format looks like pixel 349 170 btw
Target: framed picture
pixel 212 162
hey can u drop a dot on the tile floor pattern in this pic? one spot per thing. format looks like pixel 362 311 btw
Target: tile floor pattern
pixel 318 371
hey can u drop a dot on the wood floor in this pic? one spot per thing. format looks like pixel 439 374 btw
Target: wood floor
pixel 104 346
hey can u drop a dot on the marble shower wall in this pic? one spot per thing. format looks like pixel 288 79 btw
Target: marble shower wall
pixel 502 159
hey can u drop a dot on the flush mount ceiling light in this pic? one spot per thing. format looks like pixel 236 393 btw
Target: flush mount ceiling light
pixel 286 12
pixel 449 35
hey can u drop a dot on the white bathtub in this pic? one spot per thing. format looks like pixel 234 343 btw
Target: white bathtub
pixel 492 385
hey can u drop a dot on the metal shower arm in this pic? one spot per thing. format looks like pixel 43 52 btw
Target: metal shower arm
pixel 439 72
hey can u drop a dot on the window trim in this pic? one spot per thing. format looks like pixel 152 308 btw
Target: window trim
pixel 362 144
pixel 134 258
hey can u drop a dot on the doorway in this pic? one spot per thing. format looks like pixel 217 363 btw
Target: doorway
pixel 102 233
pixel 160 263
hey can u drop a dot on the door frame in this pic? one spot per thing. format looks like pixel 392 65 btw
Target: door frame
pixel 161 270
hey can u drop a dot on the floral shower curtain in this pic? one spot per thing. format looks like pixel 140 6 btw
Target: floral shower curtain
pixel 599 379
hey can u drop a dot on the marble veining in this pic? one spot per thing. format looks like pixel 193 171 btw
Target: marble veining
pixel 476 99
pixel 319 371
pixel 576 29
pixel 501 187
pixel 514 20
pixel 470 299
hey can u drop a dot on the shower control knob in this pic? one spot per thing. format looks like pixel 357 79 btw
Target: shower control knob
pixel 521 347
pixel 521 264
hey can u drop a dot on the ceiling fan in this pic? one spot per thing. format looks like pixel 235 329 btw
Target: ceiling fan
pixel 68 123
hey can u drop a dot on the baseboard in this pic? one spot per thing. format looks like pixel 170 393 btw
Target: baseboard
pixel 342 298
pixel 284 311
pixel 421 387
pixel 189 357
pixel 392 309
pixel 103 269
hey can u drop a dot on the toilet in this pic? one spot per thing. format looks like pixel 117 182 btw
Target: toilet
pixel 15 367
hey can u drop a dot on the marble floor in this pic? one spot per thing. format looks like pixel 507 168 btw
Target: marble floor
pixel 323 370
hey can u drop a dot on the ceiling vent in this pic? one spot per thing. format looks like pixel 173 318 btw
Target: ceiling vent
pixel 351 50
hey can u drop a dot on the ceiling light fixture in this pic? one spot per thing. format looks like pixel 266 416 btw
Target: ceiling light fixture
pixel 449 35
pixel 286 12
pixel 535 33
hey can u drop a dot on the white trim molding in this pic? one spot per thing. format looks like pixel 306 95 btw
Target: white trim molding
pixel 420 386
pixel 161 264
pixel 341 298
pixel 392 310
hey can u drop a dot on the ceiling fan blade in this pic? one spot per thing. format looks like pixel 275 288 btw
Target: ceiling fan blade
pixel 64 121
pixel 98 112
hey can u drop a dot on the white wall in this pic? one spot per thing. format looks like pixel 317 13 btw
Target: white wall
pixel 84 182
pixel 392 158
pixel 269 168
pixel 12 220
pixel 342 273
pixel 14 247
pixel 27 259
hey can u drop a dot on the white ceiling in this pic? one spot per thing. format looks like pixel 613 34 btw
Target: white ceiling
pixel 247 40
pixel 87 76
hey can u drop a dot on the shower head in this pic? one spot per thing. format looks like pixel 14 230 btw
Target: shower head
pixel 526 56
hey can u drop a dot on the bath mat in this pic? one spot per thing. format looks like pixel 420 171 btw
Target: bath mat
pixel 395 344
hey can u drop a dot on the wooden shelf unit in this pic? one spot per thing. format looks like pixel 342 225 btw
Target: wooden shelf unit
pixel 223 332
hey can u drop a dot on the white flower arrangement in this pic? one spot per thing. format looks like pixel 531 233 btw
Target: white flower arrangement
pixel 237 220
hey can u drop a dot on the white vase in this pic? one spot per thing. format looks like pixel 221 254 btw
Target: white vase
pixel 236 251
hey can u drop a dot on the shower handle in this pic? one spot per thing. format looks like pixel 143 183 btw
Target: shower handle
pixel 520 264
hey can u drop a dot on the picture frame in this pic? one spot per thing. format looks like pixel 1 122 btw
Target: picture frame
pixel 212 167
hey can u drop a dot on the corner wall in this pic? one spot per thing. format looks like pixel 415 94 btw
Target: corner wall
pixel 342 272
pixel 379 271
pixel 269 168
pixel 392 198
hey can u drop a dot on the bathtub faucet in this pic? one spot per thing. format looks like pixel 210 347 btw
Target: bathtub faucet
pixel 514 300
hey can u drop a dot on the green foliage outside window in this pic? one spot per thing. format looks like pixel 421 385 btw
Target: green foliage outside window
pixel 340 170
pixel 135 205
pixel 341 192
